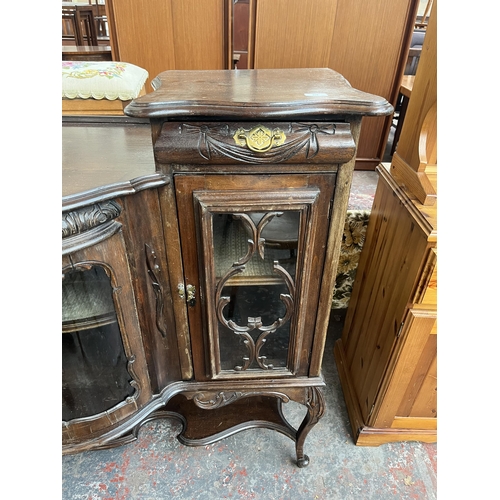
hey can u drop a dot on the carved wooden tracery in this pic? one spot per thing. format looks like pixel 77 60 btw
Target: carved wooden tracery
pixel 255 245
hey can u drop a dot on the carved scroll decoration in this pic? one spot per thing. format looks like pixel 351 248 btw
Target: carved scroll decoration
pixel 255 245
pixel 81 220
pixel 213 400
pixel 153 272
pixel 208 144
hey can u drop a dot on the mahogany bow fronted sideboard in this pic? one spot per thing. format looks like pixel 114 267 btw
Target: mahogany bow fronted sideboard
pixel 200 246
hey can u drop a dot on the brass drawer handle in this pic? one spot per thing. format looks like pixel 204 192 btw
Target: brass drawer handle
pixel 259 139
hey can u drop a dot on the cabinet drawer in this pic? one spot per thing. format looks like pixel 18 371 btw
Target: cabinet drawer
pixel 255 143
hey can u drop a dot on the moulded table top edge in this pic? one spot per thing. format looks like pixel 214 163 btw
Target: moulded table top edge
pixel 262 93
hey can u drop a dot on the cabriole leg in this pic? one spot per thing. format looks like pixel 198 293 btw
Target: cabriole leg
pixel 315 409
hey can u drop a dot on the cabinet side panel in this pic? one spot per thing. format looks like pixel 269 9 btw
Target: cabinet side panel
pixel 293 33
pixel 423 385
pixel 383 290
pixel 410 366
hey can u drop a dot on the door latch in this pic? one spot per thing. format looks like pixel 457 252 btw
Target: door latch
pixel 191 294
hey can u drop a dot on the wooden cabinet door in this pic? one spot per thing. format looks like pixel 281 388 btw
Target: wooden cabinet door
pixel 252 250
pixel 408 399
pixel 105 377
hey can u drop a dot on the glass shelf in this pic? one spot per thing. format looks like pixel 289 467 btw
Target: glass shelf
pixel 87 300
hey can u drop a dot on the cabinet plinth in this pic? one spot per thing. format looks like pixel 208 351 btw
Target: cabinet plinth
pixel 247 229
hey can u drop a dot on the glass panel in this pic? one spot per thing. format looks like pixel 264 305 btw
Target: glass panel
pixel 94 365
pixel 255 263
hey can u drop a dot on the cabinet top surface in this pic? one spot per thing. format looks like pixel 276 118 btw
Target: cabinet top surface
pixel 103 158
pixel 255 94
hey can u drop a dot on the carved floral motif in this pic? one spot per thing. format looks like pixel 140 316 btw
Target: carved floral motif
pixel 81 220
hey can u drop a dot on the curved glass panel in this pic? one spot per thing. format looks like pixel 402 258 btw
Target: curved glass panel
pixel 94 365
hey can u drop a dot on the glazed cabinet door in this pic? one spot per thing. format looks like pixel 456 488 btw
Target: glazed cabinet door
pixel 252 250
pixel 104 372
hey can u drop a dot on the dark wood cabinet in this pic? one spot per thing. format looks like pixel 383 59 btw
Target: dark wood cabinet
pixel 232 245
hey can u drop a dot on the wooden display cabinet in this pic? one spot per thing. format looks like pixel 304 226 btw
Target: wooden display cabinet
pixel 256 168
pixel 387 354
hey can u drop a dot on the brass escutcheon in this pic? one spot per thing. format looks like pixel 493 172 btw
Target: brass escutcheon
pixel 259 139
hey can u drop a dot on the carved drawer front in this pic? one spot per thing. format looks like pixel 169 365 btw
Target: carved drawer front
pixel 255 143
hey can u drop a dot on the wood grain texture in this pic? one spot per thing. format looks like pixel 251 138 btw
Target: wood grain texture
pixel 102 154
pixel 256 94
pixel 161 346
pixel 416 151
pixel 337 221
pixel 199 34
pixel 369 46
pixel 403 429
pixel 380 299
pixel 144 34
pixel 293 33
pixel 423 96
pixel 401 395
pixel 159 35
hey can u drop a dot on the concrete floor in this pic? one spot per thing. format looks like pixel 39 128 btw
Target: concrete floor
pixel 257 463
